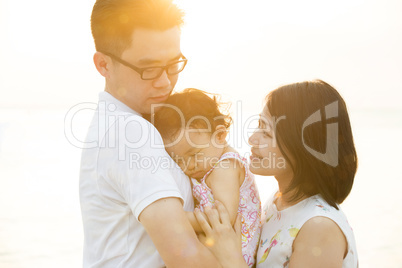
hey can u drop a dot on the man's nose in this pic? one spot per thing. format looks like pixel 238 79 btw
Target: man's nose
pixel 163 81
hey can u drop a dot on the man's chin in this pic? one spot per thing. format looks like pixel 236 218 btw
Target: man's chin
pixel 160 98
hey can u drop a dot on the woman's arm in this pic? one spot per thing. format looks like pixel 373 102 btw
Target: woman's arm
pixel 319 243
pixel 221 239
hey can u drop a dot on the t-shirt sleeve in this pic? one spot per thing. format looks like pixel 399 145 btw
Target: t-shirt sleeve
pixel 142 173
pixel 150 185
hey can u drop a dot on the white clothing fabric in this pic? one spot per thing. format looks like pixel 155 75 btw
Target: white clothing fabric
pixel 280 228
pixel 124 169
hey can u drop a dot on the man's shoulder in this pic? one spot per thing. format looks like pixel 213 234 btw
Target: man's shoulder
pixel 131 129
pixel 115 116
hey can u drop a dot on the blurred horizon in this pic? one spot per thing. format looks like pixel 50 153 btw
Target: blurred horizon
pixel 241 51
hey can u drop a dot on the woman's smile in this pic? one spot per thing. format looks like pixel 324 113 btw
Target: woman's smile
pixel 254 155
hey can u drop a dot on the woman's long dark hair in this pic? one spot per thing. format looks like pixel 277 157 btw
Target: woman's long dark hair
pixel 316 139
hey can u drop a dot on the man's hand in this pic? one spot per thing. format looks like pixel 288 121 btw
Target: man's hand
pixel 166 223
pixel 223 241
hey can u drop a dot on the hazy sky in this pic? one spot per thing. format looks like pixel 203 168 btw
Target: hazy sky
pixel 240 49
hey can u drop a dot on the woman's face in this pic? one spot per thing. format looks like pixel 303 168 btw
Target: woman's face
pixel 267 159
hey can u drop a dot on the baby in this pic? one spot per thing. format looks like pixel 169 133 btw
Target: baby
pixel 194 133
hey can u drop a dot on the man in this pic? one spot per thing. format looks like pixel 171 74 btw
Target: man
pixel 132 195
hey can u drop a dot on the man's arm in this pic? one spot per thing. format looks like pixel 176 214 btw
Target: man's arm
pixel 166 223
pixel 193 221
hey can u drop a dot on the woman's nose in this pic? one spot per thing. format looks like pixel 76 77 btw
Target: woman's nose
pixel 253 139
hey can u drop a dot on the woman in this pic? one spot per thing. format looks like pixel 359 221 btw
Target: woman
pixel 305 128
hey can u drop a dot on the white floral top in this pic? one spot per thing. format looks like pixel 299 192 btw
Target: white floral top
pixel 281 227
pixel 249 206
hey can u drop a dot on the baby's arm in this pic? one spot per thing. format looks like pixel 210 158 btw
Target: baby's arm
pixel 225 181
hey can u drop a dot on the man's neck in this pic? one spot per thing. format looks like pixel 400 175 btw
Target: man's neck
pixel 147 117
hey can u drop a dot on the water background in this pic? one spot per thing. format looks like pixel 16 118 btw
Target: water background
pixel 40 220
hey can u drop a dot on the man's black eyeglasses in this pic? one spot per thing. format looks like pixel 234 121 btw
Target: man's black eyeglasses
pixel 153 72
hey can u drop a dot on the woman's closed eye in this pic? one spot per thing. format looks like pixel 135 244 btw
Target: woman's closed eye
pixel 263 129
pixel 267 133
pixel 260 124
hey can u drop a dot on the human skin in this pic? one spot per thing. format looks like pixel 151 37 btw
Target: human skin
pixel 196 152
pixel 149 48
pixel 317 233
pixel 164 220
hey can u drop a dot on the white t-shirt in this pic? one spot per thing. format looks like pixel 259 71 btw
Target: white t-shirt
pixel 124 169
pixel 280 228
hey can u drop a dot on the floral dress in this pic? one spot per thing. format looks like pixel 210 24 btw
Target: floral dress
pixel 280 228
pixel 249 206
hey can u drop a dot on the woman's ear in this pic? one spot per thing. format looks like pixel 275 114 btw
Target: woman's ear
pixel 220 134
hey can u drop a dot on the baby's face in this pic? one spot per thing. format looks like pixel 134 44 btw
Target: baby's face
pixel 195 151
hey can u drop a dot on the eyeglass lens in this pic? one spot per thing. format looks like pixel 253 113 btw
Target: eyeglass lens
pixel 152 73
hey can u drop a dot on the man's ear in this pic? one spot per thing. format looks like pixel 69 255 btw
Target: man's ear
pixel 102 63
pixel 220 134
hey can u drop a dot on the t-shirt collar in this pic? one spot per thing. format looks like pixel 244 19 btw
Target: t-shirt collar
pixel 110 99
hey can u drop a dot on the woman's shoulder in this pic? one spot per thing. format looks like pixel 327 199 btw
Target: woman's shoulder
pixel 319 240
pixel 307 209
pixel 316 206
pixel 319 207
pixel 327 223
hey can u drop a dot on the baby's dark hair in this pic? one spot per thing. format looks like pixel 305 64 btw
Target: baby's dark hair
pixel 191 108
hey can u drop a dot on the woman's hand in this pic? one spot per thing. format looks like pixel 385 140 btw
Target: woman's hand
pixel 220 238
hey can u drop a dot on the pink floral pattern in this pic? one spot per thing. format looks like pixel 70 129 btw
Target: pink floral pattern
pixel 249 206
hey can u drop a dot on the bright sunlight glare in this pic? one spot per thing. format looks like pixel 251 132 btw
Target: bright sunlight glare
pixel 238 49
pixel 262 44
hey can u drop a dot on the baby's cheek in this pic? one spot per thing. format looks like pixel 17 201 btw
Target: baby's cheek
pixel 179 161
